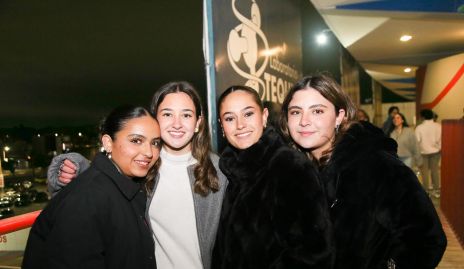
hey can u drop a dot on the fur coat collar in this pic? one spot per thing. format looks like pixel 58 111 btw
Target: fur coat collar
pixel 240 165
pixel 363 139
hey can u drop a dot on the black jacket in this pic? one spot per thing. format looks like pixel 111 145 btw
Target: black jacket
pixel 98 221
pixel 379 210
pixel 274 213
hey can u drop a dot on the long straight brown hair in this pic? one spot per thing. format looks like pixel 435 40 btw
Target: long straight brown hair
pixel 205 173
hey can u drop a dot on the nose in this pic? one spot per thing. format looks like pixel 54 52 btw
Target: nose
pixel 305 118
pixel 177 122
pixel 147 150
pixel 241 123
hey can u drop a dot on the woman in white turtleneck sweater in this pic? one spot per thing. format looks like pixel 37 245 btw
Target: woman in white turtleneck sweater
pixel 185 199
pixel 176 242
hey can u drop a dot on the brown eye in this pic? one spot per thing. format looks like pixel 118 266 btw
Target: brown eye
pixel 156 143
pixel 136 140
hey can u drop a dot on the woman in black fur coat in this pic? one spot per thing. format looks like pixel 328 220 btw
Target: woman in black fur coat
pixel 274 213
pixel 381 216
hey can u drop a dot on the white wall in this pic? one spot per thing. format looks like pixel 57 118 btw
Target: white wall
pixel 438 75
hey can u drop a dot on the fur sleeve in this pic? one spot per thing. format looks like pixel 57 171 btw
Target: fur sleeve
pixel 299 213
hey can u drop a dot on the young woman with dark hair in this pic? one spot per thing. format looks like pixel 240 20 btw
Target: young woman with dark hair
pixel 274 212
pixel 408 147
pixel 185 197
pixel 381 216
pixel 98 220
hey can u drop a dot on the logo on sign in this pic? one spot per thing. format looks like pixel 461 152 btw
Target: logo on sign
pixel 244 52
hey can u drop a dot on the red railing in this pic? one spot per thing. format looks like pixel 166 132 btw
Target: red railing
pixel 16 223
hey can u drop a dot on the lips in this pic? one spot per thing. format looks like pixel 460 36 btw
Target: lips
pixel 306 133
pixel 245 134
pixel 144 164
pixel 176 134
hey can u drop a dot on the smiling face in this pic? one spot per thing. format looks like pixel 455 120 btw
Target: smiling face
pixel 312 120
pixel 176 115
pixel 242 119
pixel 135 148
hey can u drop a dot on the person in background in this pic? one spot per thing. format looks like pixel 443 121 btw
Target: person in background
pixel 361 115
pixel 99 221
pixel 428 135
pixel 408 148
pixel 388 123
pixel 274 212
pixel 185 198
pixel 381 216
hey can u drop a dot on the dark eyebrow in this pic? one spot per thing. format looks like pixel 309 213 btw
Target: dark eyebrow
pixel 137 135
pixel 228 112
pixel 313 106
pixel 294 107
pixel 170 109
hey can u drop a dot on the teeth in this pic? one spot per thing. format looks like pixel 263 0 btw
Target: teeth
pixel 176 133
pixel 143 163
pixel 244 134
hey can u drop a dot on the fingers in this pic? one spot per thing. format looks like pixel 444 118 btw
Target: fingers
pixel 67 172
pixel 68 166
pixel 66 178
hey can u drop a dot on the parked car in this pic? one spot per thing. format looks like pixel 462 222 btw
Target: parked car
pixel 6 204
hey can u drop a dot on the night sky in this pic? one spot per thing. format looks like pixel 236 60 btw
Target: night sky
pixel 70 62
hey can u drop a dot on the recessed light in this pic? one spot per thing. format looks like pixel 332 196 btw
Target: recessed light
pixel 407 70
pixel 405 38
pixel 321 39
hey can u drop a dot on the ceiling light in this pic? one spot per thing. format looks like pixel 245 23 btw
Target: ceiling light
pixel 405 38
pixel 407 70
pixel 322 38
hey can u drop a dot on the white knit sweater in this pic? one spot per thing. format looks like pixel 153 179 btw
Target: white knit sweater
pixel 172 215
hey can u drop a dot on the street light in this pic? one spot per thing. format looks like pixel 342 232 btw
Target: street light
pixel 5 150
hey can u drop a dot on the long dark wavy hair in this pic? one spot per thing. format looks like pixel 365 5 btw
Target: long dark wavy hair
pixel 331 91
pixel 206 178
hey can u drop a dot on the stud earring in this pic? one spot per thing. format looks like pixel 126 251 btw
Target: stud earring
pixel 196 129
